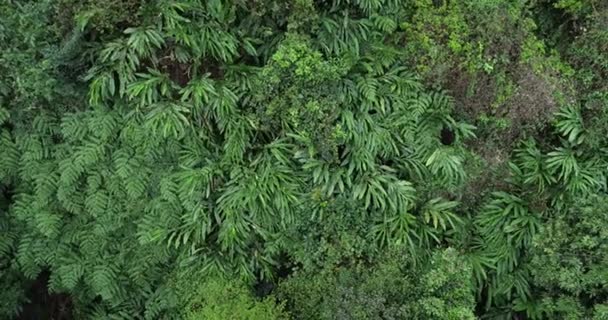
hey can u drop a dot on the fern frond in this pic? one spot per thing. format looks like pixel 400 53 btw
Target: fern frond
pixel 569 123
pixel 144 41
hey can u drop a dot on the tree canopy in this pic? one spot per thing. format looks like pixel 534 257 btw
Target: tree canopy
pixel 303 159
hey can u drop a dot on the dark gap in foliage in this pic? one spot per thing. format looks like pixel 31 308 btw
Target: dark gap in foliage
pixel 353 11
pixel 388 162
pixel 250 60
pixel 285 270
pixel 264 287
pixel 45 305
pixel 556 27
pixel 323 5
pixel 480 307
pixel 548 137
pixel 6 196
pixel 178 72
pixel 342 151
pixel 591 299
pixel 447 136
pixel 439 3
pixel 7 125
pixel 214 68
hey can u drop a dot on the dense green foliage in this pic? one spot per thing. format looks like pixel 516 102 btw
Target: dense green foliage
pixel 304 159
pixel 394 289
